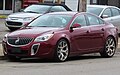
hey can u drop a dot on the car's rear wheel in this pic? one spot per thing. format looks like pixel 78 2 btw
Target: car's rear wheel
pixel 62 50
pixel 109 48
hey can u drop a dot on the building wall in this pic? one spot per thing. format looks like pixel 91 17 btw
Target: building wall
pixel 6 6
pixel 106 2
pixel 72 4
pixel 114 2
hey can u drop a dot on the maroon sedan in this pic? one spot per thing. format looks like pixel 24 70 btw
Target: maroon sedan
pixel 60 35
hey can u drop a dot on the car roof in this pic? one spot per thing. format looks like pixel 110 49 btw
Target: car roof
pixel 100 6
pixel 54 4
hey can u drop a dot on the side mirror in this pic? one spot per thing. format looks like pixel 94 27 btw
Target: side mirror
pixel 104 16
pixel 76 25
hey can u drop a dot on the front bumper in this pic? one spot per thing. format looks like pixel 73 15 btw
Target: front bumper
pixel 15 23
pixel 41 50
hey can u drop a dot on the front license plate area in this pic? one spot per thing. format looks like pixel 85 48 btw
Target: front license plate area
pixel 16 50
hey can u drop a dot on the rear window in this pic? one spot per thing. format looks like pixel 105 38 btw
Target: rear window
pixel 37 9
pixel 94 10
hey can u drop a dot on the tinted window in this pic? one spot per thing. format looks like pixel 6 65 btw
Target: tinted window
pixel 94 10
pixel 37 9
pixel 57 8
pixel 80 20
pixel 93 20
pixel 115 12
pixel 107 12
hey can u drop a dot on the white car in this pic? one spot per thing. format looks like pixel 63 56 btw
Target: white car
pixel 17 20
pixel 108 13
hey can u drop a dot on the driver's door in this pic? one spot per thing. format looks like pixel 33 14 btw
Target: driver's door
pixel 80 35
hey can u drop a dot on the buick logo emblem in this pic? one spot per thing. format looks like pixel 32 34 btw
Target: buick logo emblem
pixel 17 40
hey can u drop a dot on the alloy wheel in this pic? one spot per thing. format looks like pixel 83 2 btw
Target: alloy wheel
pixel 62 50
pixel 110 47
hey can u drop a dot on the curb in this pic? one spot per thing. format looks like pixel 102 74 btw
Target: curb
pixel 3 16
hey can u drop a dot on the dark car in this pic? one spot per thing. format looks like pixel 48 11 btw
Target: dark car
pixel 17 20
pixel 60 35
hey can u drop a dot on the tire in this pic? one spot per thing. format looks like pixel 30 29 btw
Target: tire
pixel 13 58
pixel 109 48
pixel 62 50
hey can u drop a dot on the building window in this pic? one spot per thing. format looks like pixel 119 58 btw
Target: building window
pixel 8 4
pixel 93 1
pixel 1 4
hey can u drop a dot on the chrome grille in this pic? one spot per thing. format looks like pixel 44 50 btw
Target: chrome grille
pixel 14 23
pixel 19 40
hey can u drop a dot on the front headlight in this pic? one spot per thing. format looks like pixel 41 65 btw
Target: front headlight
pixel 28 18
pixel 43 38
pixel 8 18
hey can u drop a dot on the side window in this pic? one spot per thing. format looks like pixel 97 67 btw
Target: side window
pixel 107 12
pixel 93 20
pixel 62 8
pixel 115 12
pixel 56 9
pixel 80 20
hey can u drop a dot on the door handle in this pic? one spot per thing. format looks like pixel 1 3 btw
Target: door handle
pixel 103 29
pixel 88 31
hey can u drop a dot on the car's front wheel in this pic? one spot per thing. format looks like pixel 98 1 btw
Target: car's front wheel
pixel 62 50
pixel 109 48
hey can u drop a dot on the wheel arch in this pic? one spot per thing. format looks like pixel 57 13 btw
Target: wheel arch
pixel 68 41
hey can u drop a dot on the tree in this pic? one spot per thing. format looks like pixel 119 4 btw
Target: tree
pixel 82 5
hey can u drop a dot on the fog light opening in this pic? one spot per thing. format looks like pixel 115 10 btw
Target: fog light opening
pixel 34 49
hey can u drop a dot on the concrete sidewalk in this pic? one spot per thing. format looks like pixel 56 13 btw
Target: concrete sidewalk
pixel 1 53
pixel 1 50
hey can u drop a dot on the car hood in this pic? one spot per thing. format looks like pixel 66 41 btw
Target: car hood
pixel 24 15
pixel 33 32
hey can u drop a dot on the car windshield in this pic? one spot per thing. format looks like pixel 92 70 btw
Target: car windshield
pixel 94 10
pixel 37 9
pixel 50 20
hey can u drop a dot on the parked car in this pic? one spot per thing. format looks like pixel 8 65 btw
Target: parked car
pixel 108 13
pixel 17 20
pixel 60 35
